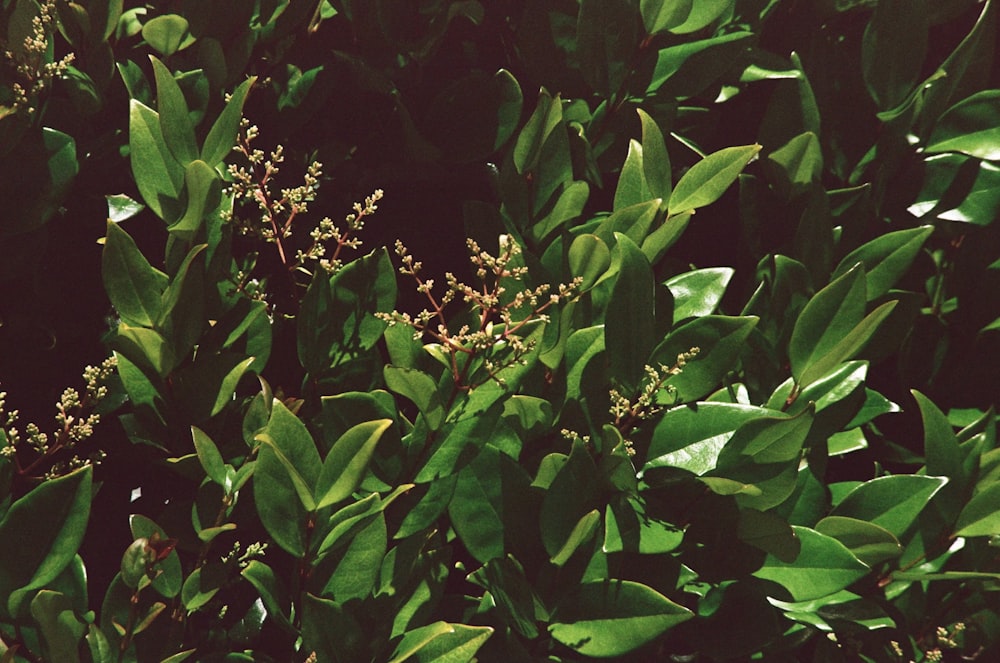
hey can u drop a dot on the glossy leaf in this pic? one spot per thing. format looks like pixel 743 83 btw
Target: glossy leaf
pixel 632 188
pixel 40 534
pixel 891 502
pixel 419 388
pixel 61 628
pixel 708 179
pixel 823 566
pixel 698 293
pixel 661 15
pixel 972 126
pixel 885 259
pixel 655 159
pixel 869 542
pixel 703 13
pixel 692 436
pixel 612 618
pixel 204 191
pixel 209 457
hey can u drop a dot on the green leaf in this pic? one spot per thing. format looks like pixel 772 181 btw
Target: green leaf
pixel 980 516
pixel 61 629
pixel 972 126
pixel 698 293
pixel 458 442
pixel 772 439
pixel 167 34
pixel 628 528
pixel 197 590
pixel 206 386
pixel 222 136
pixel 703 12
pixel 350 573
pixel 869 542
pixel 770 533
pixel 170 576
pixel 347 462
pixel 133 285
pixel 204 192
pixel 632 188
pixel 941 450
pixel 708 179
pixel 830 328
pixel 800 161
pixel 629 320
pixel 891 502
pixel 606 34
pixel 581 533
pixel 543 121
pixel 330 630
pixel 589 258
pixel 489 505
pixel 40 534
pixel 661 15
pixel 570 496
pixel 633 221
pixel 885 259
pixel 719 339
pixel 146 347
pixel 692 436
pixel 655 159
pixel 612 618
pixel 157 173
pixel 685 70
pixel 959 188
pixel 893 50
pixel 122 208
pixel 441 642
pixel 175 122
pixel 418 387
pixel 271 591
pixel 568 206
pixel 209 456
pixel 824 565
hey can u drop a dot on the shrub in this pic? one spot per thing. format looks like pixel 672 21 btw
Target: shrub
pixel 653 411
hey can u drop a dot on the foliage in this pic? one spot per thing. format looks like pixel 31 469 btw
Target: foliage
pixel 610 435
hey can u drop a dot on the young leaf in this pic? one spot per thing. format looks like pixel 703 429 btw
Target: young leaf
pixel 655 159
pixel 632 188
pixel 608 618
pixel 708 179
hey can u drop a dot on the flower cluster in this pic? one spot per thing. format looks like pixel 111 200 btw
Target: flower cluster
pixel 627 410
pixel 500 316
pixel 273 221
pixel 32 72
pixel 75 421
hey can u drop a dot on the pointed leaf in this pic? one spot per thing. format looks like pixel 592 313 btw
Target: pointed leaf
pixel 222 136
pixel 133 285
pixel 708 179
pixel 823 566
pixel 972 126
pixel 175 122
pixel 886 258
pixel 157 173
pixel 698 293
pixel 347 462
pixel 629 321
pixel 891 502
pixel 612 618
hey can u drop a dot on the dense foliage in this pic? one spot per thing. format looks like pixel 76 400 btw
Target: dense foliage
pixel 711 376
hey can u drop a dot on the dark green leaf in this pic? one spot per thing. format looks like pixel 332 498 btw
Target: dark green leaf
pixel 692 436
pixel 167 34
pixel 40 534
pixel 589 258
pixel 629 320
pixel 419 388
pixel 209 456
pixel 661 15
pixel 61 629
pixel 869 542
pixel 980 516
pixel 204 192
pixel 893 50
